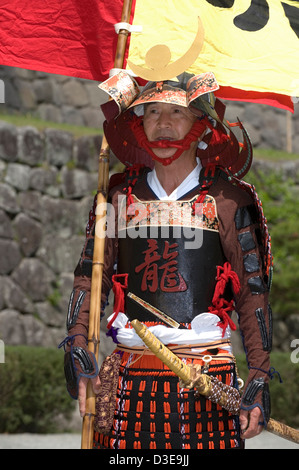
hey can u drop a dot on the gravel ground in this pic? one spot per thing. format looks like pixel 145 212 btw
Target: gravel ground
pixel 265 440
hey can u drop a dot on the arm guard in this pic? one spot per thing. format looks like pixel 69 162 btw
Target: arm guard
pixel 257 394
pixel 78 362
pixel 246 245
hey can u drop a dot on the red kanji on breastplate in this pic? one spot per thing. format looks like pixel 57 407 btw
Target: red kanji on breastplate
pixel 171 280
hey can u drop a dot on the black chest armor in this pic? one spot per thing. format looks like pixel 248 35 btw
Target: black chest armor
pixel 171 259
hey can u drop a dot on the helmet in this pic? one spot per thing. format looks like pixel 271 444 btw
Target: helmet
pixel 124 130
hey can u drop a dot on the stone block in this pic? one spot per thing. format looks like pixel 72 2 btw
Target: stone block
pixel 17 329
pixel 49 315
pixel 59 147
pixel 61 254
pixel 49 112
pixel 44 180
pixel 8 142
pixel 59 216
pixel 28 233
pixel 92 117
pixel 30 146
pixel 42 88
pixel 71 115
pixel 74 93
pixel 5 225
pixel 77 183
pixel 35 278
pixel 30 203
pixel 12 330
pixel 17 175
pixel 12 98
pixel 14 297
pixel 86 152
pixel 26 94
pixel 10 256
pixel 8 199
pixel 3 166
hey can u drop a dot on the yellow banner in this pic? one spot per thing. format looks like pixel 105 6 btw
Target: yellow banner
pixel 248 44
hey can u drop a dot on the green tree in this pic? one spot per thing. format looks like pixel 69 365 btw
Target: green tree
pixel 32 391
pixel 279 200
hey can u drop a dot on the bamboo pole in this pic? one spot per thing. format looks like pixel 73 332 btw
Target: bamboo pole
pixel 99 244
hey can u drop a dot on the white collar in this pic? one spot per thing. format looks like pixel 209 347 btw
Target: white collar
pixel 190 182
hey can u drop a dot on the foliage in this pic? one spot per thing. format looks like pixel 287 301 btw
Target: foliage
pixel 273 154
pixel 32 390
pixel 279 200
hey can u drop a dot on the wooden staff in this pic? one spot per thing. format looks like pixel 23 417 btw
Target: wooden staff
pixel 99 244
pixel 203 383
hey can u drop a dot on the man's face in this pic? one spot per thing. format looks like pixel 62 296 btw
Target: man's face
pixel 166 121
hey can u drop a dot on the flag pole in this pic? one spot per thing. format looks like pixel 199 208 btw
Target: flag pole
pixel 99 244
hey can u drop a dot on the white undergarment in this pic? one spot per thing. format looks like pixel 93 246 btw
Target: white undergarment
pixel 204 329
pixel 190 182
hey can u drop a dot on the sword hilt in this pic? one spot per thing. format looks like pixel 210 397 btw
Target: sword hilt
pixel 162 352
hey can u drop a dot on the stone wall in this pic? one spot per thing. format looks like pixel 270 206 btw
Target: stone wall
pixel 51 97
pixel 47 185
pixel 76 101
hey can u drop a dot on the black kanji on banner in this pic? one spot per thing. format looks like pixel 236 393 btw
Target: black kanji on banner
pixel 258 14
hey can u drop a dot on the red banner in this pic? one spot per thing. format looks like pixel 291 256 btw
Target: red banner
pixel 77 38
pixel 67 37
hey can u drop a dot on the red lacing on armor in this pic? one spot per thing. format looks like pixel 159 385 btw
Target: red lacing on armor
pixel 206 183
pixel 195 132
pixel 224 275
pixel 132 178
pixel 221 306
pixel 222 309
pixel 199 200
pixel 129 193
pixel 120 283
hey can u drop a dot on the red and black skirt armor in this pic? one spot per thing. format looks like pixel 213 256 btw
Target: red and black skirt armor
pixel 153 412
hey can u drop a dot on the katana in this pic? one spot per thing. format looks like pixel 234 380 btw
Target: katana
pixel 213 389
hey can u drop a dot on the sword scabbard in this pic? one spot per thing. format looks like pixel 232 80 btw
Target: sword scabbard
pixel 208 386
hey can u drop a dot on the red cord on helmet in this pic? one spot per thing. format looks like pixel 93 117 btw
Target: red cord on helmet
pixel 195 132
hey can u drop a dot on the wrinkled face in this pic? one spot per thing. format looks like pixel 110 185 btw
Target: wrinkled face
pixel 163 121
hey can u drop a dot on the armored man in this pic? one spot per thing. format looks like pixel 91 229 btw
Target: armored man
pixel 186 245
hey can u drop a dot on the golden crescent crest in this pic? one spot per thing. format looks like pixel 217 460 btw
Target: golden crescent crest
pixel 158 59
